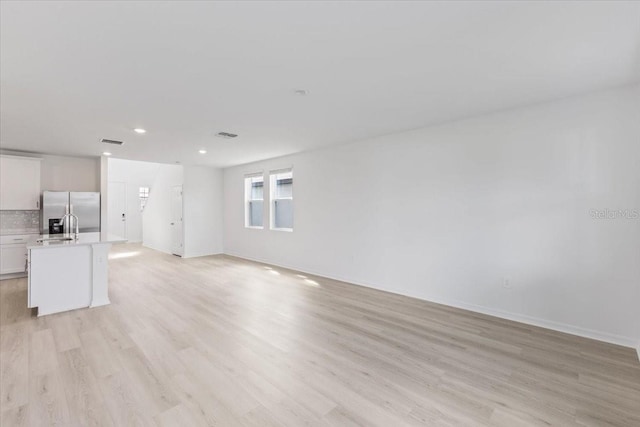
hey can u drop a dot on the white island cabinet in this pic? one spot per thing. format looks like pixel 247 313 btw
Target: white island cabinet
pixel 68 274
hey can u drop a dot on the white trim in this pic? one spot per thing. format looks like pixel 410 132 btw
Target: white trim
pixel 273 177
pixel 543 323
pixel 158 249
pixel 529 320
pixel 279 171
pixel 248 182
pixel 638 351
pixel 201 254
pixel 26 157
pixel 13 275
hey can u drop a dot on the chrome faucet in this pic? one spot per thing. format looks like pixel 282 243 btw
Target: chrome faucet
pixel 76 221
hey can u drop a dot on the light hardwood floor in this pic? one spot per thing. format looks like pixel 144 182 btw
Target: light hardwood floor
pixel 227 342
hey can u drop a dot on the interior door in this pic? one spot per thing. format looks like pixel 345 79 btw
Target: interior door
pixel 176 221
pixel 117 209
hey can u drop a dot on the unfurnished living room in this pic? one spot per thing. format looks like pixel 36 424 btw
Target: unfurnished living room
pixel 319 213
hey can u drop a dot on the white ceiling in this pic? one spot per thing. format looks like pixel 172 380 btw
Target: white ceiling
pixel 75 72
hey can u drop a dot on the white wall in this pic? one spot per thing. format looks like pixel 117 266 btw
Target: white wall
pixel 156 229
pixel 202 205
pixel 202 200
pixel 59 173
pixel 134 174
pixel 448 213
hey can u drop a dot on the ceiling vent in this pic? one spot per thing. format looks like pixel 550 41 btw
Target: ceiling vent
pixel 111 141
pixel 226 135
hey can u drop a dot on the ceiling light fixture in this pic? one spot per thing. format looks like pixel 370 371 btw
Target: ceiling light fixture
pixel 202 151
pixel 106 153
pixel 139 130
pixel 301 92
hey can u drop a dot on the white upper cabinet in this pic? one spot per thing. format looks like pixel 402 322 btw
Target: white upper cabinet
pixel 19 183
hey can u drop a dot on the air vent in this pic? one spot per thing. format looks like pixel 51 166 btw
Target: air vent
pixel 111 141
pixel 226 135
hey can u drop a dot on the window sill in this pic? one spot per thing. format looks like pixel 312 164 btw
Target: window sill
pixel 254 227
pixel 290 230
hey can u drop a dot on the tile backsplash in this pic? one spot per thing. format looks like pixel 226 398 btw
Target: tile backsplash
pixel 18 221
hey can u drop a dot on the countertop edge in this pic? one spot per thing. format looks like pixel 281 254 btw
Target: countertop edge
pixel 89 240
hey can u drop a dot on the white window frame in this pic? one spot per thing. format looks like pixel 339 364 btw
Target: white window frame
pixel 143 196
pixel 248 199
pixel 273 198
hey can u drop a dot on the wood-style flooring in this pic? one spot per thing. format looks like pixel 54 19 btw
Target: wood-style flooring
pixel 219 341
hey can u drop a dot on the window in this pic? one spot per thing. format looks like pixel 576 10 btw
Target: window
pixel 144 196
pixel 254 200
pixel 281 184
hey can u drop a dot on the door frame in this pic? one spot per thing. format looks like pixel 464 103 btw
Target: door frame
pixel 179 252
pixel 109 196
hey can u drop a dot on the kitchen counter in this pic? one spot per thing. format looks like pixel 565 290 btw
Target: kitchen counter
pixel 71 274
pixel 16 231
pixel 83 239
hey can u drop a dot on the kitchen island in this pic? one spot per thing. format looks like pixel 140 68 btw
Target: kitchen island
pixel 65 273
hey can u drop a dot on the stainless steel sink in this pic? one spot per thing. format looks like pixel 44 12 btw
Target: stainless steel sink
pixel 55 239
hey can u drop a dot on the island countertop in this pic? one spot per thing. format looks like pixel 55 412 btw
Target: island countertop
pixel 83 239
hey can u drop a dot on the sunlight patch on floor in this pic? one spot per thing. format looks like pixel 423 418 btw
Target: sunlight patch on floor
pixel 120 255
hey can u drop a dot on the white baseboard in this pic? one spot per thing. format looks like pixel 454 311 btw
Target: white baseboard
pixel 185 256
pixel 196 255
pixel 543 323
pixel 156 249
pixel 529 320
pixel 12 276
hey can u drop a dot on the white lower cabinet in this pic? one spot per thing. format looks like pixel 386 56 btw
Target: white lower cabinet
pixel 13 258
pixel 13 254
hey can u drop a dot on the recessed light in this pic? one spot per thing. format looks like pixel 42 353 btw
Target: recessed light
pixel 301 92
pixel 139 130
pixel 202 151
pixel 106 153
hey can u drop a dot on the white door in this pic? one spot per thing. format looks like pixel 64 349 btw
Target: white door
pixel 176 221
pixel 117 209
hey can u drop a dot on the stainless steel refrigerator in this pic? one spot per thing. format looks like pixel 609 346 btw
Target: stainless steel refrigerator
pixel 85 205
